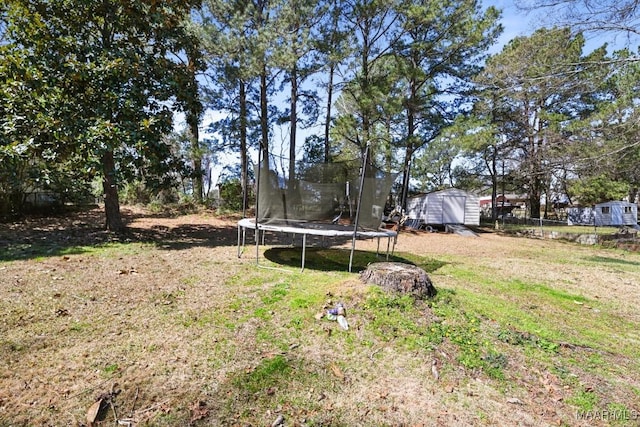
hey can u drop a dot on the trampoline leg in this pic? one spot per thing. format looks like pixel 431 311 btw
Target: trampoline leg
pixel 388 243
pixel 353 249
pixel 378 248
pixel 239 253
pixel 257 251
pixel 304 250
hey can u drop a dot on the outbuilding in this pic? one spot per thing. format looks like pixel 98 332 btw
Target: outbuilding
pixel 613 213
pixel 580 215
pixel 616 213
pixel 449 206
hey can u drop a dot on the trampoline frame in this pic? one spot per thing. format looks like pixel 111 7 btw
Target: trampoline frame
pixel 307 228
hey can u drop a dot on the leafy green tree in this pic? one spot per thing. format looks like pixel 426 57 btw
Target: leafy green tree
pixel 434 165
pixel 441 48
pixel 605 145
pixel 541 87
pixel 597 189
pixel 484 147
pixel 413 64
pixel 375 28
pixel 333 43
pixel 314 151
pixel 94 80
pixel 300 21
pixel 246 56
pixel 229 39
pixel 191 104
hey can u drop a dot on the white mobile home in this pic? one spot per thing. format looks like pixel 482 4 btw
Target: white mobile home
pixel 450 206
pixel 616 213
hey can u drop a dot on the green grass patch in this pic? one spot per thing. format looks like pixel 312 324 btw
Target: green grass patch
pixel 39 251
pixel 262 313
pixel 569 229
pixel 543 292
pixel 269 373
pixel 393 317
pixel 111 369
pixel 276 294
pixel 549 314
pixel 584 400
pixel 467 331
pixel 250 276
pixel 397 318
pixel 518 338
pixel 80 326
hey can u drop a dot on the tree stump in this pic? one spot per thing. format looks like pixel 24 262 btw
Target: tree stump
pixel 399 277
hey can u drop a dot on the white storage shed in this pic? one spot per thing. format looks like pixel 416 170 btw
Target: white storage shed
pixel 580 215
pixel 450 206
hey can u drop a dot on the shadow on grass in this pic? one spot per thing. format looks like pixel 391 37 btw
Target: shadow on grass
pixel 76 232
pixel 607 260
pixel 337 259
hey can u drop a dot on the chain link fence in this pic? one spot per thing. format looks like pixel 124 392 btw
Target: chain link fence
pixel 559 229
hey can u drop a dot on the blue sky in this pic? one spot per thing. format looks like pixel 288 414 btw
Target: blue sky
pixel 515 23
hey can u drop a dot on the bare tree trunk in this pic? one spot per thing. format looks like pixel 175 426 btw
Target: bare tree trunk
pixel 294 122
pixel 494 185
pixel 110 188
pixel 327 124
pixel 193 119
pixel 264 119
pixel 244 164
pixel 198 179
pixel 412 144
pixel 405 176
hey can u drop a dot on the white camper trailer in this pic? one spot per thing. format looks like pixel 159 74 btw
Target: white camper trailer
pixel 616 213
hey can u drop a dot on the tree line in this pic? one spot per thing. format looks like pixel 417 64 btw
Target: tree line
pixel 89 95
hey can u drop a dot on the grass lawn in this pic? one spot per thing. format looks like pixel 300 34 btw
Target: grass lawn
pixel 166 326
pixel 568 229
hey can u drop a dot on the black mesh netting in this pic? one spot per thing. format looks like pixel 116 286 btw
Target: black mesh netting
pixel 324 193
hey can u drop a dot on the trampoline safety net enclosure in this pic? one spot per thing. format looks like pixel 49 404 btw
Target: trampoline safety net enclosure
pixel 328 199
pixel 326 193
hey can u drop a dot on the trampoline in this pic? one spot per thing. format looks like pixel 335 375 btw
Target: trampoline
pixel 313 229
pixel 335 200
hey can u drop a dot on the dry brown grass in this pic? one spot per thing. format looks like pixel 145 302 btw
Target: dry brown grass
pixel 174 329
